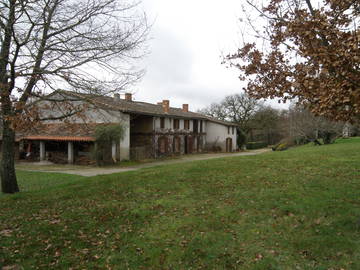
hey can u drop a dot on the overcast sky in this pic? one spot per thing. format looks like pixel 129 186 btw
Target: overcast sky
pixel 186 43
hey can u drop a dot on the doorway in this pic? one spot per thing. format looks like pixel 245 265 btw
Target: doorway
pixel 229 145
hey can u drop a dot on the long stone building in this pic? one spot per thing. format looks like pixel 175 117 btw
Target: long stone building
pixel 151 130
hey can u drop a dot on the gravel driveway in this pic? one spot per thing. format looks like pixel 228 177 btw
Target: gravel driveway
pixel 93 171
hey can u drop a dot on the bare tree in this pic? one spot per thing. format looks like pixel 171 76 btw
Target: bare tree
pixel 84 45
pixel 238 108
pixel 216 110
pixel 304 125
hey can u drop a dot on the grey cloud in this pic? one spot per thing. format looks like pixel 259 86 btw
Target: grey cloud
pixel 197 96
pixel 170 59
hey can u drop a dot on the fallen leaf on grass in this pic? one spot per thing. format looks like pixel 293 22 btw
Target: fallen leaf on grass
pixel 12 267
pixel 318 221
pixel 6 233
pixel 54 221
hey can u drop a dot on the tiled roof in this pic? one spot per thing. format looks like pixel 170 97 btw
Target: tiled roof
pixel 60 138
pixel 60 132
pixel 137 107
pixel 226 123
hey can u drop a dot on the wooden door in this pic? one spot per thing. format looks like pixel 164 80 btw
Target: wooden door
pixel 229 145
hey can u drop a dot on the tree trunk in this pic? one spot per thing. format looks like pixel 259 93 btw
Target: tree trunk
pixel 8 176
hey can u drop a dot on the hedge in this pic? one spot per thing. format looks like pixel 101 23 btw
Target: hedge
pixel 256 145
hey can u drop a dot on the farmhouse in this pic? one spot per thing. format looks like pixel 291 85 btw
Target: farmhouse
pixel 151 130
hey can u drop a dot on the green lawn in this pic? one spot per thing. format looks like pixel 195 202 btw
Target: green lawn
pixel 32 166
pixel 297 209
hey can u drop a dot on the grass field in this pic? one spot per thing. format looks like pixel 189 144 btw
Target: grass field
pixel 297 209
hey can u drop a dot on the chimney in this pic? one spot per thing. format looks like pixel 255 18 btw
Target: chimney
pixel 166 105
pixel 128 96
pixel 117 96
pixel 185 108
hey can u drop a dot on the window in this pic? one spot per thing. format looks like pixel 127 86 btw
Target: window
pixel 201 126
pixel 162 122
pixel 228 130
pixel 232 130
pixel 176 123
pixel 186 124
pixel 195 126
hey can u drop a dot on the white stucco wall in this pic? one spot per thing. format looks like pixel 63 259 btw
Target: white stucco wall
pixel 216 135
pixel 204 123
pixel 91 114
pixel 191 126
pixel 125 142
pixel 181 124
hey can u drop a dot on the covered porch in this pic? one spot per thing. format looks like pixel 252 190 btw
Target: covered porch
pixel 57 149
pixel 69 143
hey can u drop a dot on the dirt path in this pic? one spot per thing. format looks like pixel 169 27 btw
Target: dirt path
pixel 93 171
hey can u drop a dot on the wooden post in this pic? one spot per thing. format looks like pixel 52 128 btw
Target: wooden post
pixel 70 152
pixel 42 150
pixel 113 151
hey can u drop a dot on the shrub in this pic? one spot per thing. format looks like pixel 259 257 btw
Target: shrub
pixel 280 147
pixel 328 137
pixel 104 136
pixel 255 145
pixel 216 148
pixel 301 140
pixel 108 133
pixel 286 143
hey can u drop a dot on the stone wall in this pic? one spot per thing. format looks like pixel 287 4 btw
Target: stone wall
pixel 169 144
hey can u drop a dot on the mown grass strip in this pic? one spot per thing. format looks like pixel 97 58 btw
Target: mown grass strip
pixel 297 209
